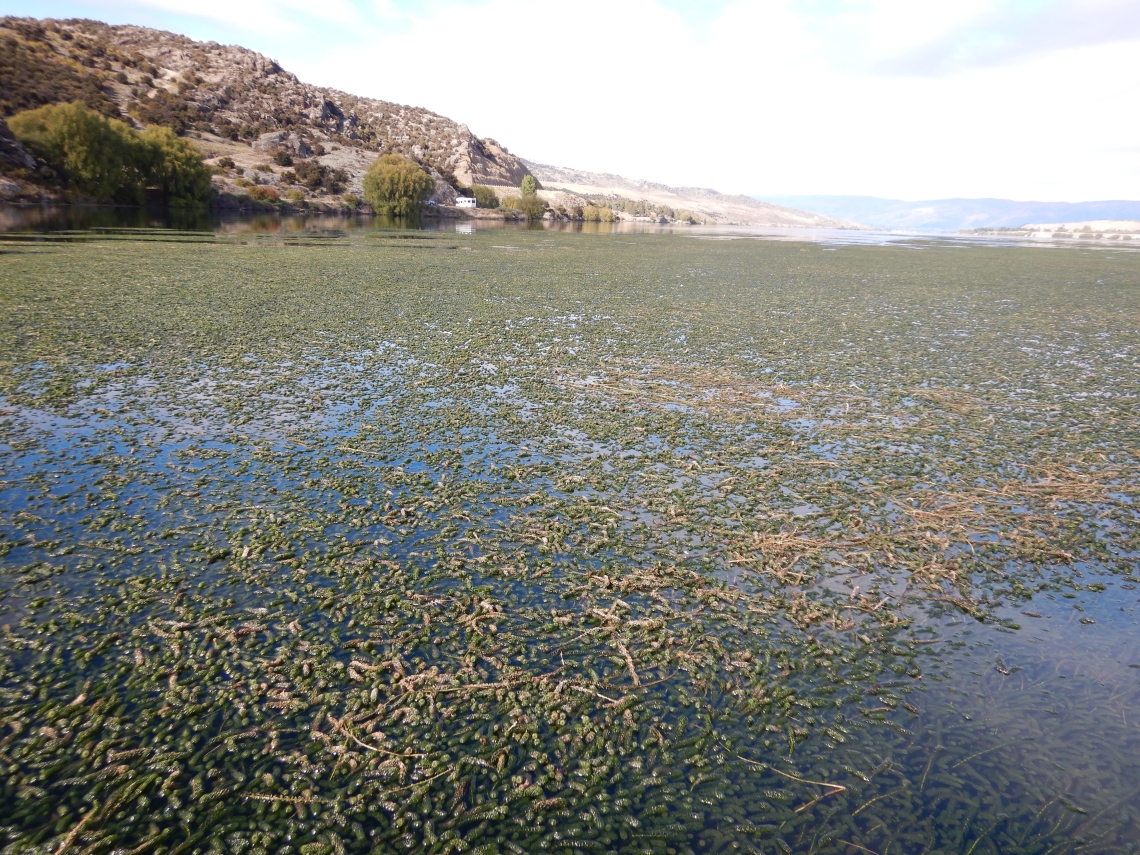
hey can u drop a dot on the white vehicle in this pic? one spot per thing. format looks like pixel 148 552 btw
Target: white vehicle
pixel 465 202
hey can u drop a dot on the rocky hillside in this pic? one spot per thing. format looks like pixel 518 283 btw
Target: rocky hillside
pixel 231 100
pixel 562 186
pixel 272 136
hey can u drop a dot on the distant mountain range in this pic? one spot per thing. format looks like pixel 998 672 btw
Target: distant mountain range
pixel 955 214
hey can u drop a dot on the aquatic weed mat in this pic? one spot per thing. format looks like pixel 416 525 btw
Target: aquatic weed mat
pixel 541 542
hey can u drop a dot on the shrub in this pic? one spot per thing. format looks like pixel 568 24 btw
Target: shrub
pixel 263 167
pixel 167 109
pixel 532 206
pixel 310 173
pixel 283 158
pixel 296 197
pixel 264 194
pixel 352 200
pixel 484 196
pixel 33 76
pixel 225 162
pixel 315 175
pixel 529 186
pixel 594 214
pixel 107 160
pixel 396 186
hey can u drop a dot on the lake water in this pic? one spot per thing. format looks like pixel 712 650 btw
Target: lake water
pixel 78 222
pixel 329 537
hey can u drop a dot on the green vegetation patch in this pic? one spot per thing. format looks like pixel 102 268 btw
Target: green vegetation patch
pixel 521 542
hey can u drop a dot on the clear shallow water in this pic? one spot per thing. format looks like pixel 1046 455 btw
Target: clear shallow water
pixel 263 504
pixel 94 222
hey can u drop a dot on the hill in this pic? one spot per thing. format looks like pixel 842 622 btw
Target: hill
pixel 708 205
pixel 231 101
pixel 959 214
pixel 263 127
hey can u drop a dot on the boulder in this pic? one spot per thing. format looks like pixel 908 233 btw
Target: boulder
pixel 276 141
pixel 12 154
pixel 444 193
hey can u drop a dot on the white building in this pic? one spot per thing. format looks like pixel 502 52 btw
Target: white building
pixel 465 202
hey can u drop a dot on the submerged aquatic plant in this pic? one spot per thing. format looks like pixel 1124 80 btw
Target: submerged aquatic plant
pixel 408 542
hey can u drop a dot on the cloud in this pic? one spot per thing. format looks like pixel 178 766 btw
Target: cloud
pixel 1010 33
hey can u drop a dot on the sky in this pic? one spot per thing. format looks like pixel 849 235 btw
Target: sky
pixel 906 99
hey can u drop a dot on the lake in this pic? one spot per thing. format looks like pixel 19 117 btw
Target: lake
pixel 318 538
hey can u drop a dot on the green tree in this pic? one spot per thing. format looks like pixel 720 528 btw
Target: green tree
pixel 529 186
pixel 107 160
pixel 484 196
pixel 532 206
pixel 175 167
pixel 99 157
pixel 395 186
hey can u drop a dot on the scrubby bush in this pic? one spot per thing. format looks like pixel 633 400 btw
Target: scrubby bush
pixel 595 214
pixel 396 186
pixel 264 194
pixel 166 109
pixel 484 196
pixel 33 75
pixel 315 175
pixel 225 162
pixel 529 186
pixel 106 160
pixel 296 197
pixel 283 158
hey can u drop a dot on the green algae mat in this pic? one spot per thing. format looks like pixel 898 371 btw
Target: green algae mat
pixel 538 542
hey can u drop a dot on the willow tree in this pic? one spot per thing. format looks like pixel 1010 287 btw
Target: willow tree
pixel 396 186
pixel 107 160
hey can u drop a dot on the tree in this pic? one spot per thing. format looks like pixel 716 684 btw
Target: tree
pixel 108 161
pixel 396 186
pixel 531 205
pixel 529 186
pixel 484 196
pixel 98 157
pixel 175 167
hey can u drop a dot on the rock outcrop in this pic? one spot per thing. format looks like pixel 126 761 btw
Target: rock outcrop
pixel 13 158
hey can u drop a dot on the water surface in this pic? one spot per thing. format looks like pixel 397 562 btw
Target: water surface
pixel 319 538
